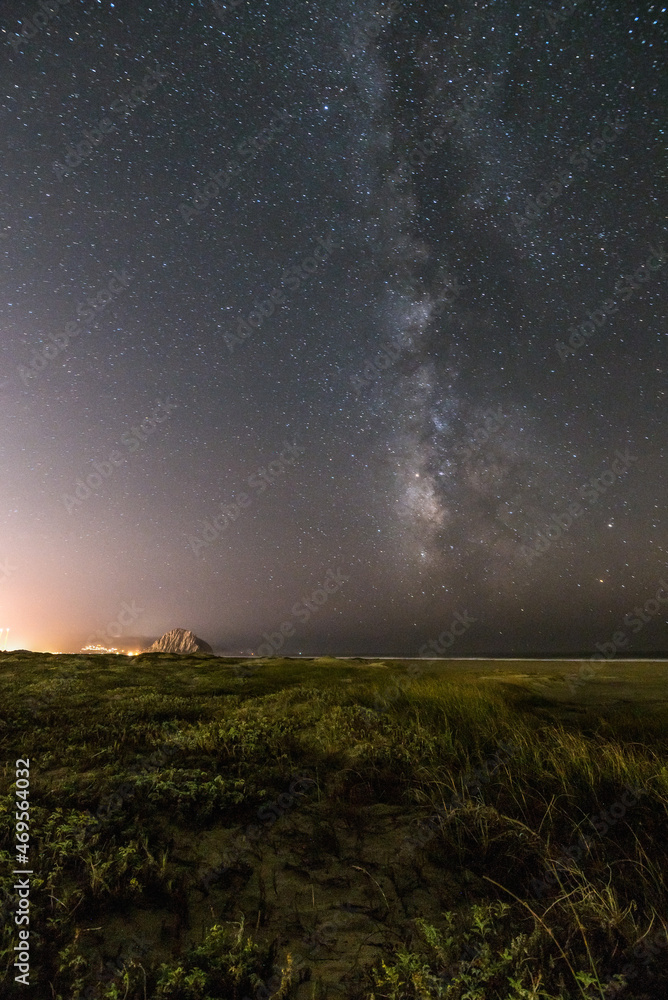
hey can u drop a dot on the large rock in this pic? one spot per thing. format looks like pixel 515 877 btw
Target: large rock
pixel 179 640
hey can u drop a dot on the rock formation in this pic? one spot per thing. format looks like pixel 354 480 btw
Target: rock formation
pixel 179 640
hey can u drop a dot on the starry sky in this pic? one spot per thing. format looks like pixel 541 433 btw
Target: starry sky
pixel 334 327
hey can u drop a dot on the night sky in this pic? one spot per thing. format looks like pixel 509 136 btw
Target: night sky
pixel 343 317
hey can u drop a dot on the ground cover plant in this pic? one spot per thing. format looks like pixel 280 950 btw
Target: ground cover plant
pixel 205 828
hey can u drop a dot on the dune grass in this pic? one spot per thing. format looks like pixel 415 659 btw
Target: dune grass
pixel 207 828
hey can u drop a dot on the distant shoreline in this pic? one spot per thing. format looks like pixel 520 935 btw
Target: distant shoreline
pixel 625 658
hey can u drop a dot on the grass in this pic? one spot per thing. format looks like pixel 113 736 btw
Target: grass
pixel 294 829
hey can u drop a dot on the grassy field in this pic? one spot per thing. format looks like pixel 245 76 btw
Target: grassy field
pixel 302 829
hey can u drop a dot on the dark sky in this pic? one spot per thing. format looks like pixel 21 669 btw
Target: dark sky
pixel 356 247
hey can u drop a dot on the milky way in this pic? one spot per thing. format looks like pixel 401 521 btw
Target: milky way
pixel 477 471
pixel 418 245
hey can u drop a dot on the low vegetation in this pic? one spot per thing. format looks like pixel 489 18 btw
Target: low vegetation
pixel 221 829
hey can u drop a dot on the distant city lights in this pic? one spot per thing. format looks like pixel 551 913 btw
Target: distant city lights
pixel 96 648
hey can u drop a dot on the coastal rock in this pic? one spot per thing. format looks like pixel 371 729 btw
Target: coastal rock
pixel 179 640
